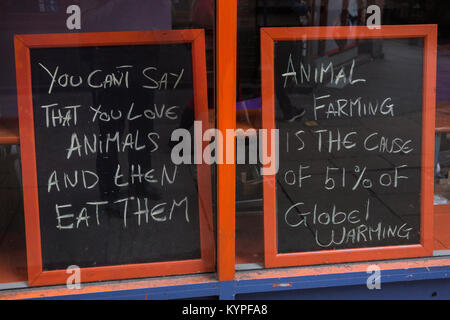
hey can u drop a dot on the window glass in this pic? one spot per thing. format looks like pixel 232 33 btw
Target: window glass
pixel 294 108
pixel 103 116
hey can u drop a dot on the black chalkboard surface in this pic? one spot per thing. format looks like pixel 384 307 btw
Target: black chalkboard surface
pixel 360 145
pixel 108 191
pixel 350 119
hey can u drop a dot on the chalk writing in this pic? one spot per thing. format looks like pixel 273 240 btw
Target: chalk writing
pixel 349 175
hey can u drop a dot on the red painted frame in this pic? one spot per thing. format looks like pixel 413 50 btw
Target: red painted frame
pixel 226 55
pixel 425 248
pixel 23 43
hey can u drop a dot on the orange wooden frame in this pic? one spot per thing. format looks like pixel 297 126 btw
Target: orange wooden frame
pixel 425 248
pixel 23 43
pixel 226 49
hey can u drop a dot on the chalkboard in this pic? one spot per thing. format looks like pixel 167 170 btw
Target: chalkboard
pixel 352 150
pixel 102 117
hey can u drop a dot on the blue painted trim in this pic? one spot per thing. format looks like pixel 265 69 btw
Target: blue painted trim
pixel 435 289
pixel 228 290
pixel 339 280
pixel 155 293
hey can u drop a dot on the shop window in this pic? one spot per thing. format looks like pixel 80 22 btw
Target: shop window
pixel 394 68
pixel 353 106
pixel 129 210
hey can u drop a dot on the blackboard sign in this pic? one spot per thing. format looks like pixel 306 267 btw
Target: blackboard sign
pixel 356 128
pixel 100 188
